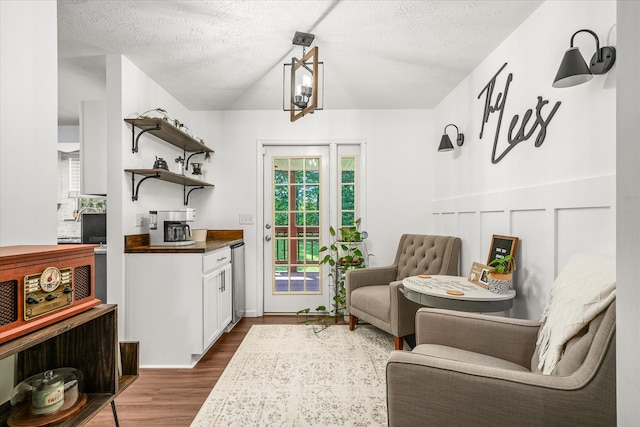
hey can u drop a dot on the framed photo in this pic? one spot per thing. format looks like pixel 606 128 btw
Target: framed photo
pixel 478 274
pixel 502 246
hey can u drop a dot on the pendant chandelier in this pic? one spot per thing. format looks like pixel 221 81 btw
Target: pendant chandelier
pixel 301 80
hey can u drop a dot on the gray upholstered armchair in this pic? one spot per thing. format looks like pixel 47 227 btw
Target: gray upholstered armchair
pixel 373 294
pixel 478 370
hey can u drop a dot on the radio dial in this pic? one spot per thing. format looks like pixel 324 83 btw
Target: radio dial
pixel 32 300
pixel 50 279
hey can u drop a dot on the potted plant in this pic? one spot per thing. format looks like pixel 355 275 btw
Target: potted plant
pixel 501 276
pixel 346 251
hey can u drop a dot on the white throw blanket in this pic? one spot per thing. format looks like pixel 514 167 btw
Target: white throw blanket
pixel 585 286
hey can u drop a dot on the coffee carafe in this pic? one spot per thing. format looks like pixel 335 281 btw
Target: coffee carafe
pixel 176 231
pixel 170 228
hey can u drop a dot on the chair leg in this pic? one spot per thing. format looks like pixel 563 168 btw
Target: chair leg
pixel 353 321
pixel 398 341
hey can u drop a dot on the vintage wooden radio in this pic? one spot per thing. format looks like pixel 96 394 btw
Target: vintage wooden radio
pixel 43 284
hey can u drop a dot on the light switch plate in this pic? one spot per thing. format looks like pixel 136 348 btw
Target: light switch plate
pixel 139 220
pixel 245 219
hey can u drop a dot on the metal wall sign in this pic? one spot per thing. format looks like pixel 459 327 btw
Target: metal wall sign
pixel 496 101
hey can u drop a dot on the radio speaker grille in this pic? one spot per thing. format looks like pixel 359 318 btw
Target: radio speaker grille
pixel 82 282
pixel 8 302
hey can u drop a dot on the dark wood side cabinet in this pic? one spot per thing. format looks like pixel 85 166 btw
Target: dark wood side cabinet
pixel 87 341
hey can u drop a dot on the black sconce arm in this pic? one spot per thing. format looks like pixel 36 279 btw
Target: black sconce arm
pixel 459 136
pixel 595 36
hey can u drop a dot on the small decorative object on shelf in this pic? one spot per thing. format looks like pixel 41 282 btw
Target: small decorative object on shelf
pixel 160 163
pixel 179 165
pixel 197 168
pixel 185 129
pixel 162 112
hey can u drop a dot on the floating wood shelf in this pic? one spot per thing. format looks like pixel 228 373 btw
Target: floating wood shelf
pixel 165 175
pixel 167 132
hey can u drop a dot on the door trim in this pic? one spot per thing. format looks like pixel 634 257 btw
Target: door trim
pixel 333 143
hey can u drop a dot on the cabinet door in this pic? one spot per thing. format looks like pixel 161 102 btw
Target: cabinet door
pixel 225 301
pixel 211 284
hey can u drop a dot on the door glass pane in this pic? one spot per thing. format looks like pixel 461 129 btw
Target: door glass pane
pixel 348 188
pixel 296 222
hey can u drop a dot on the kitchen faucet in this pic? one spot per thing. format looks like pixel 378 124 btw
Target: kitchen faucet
pixel 83 210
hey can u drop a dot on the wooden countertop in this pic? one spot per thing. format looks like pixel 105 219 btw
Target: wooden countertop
pixel 216 239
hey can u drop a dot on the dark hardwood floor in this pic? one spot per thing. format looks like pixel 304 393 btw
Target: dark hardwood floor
pixel 172 397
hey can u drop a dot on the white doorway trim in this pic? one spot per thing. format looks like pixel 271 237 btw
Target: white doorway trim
pixel 333 144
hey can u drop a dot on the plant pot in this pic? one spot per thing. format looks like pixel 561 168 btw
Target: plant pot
pixel 500 283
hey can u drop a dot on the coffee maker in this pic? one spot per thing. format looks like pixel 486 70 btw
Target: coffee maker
pixel 170 228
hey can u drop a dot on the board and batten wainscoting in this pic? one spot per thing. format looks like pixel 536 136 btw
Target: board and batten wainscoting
pixel 552 221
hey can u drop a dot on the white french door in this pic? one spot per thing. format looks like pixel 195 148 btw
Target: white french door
pixel 296 221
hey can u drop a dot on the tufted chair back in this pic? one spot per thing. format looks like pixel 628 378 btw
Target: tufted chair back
pixel 427 254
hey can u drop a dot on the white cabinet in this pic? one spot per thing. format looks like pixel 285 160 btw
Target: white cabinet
pixel 177 304
pixel 216 294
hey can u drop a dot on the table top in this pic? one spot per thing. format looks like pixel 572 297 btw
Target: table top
pixel 437 285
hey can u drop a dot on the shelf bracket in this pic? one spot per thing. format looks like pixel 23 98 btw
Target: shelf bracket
pixel 134 138
pixel 186 163
pixel 135 189
pixel 186 195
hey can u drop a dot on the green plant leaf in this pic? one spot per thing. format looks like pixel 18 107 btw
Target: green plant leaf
pixel 501 265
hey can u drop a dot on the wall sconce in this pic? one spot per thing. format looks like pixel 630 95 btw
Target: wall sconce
pixel 301 94
pixel 445 142
pixel 574 71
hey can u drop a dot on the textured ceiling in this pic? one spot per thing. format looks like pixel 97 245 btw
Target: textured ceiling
pixel 228 55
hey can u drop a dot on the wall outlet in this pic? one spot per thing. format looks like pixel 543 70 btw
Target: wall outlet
pixel 245 219
pixel 139 220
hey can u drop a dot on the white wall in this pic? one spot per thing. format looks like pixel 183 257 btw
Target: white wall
pixel 28 113
pixel 69 134
pixel 628 208
pixel 28 134
pixel 398 159
pixel 131 92
pixel 549 196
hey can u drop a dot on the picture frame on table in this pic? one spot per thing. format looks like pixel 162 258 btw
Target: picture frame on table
pixel 478 274
pixel 502 246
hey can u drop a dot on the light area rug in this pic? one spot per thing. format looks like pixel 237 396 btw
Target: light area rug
pixel 285 375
